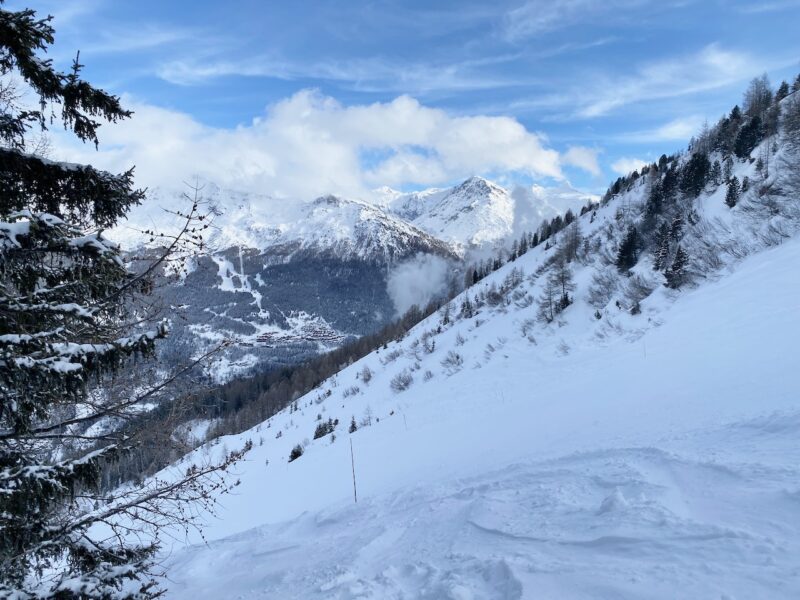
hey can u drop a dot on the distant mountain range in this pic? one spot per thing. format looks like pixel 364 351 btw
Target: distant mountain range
pixel 285 279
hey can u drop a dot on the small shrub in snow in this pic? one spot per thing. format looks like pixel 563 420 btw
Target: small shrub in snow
pixel 604 285
pixel 392 356
pixel 325 428
pixel 351 391
pixel 367 420
pixel 493 296
pixel 366 374
pixel 296 453
pixel 460 340
pixel 528 326
pixel 637 288
pixel 353 426
pixel 521 299
pixel 427 376
pixel 452 362
pixel 402 381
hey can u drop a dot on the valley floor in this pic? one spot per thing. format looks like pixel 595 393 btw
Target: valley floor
pixel 662 467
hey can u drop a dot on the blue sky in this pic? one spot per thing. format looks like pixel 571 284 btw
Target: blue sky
pixel 582 89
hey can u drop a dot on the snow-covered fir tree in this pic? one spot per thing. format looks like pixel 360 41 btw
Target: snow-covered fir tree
pixel 67 302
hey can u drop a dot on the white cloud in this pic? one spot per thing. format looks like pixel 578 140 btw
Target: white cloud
pixel 417 281
pixel 624 166
pixel 583 158
pixel 309 144
pixel 680 129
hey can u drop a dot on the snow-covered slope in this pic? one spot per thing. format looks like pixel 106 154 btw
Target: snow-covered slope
pixel 632 455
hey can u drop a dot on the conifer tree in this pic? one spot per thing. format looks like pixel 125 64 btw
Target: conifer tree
pixel 669 183
pixel 716 173
pixel 732 196
pixel 628 253
pixel 676 274
pixel 695 174
pixel 66 303
pixel 562 276
pixel 748 137
pixel 727 170
pixel 655 200
pixel 783 91
pixel 661 255
pixel 467 310
pixel 676 228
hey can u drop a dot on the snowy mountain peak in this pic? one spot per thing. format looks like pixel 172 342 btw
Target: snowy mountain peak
pixel 478 185
pixel 474 213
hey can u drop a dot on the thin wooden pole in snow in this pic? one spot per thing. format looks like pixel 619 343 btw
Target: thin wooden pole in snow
pixel 353 465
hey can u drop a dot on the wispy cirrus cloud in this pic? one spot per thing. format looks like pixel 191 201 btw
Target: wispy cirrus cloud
pixel 750 8
pixel 710 68
pixel 145 37
pixel 599 94
pixel 541 16
pixel 369 74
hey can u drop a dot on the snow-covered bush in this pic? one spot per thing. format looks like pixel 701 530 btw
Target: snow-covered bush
pixel 452 362
pixel 604 286
pixel 392 356
pixel 402 381
pixel 637 288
